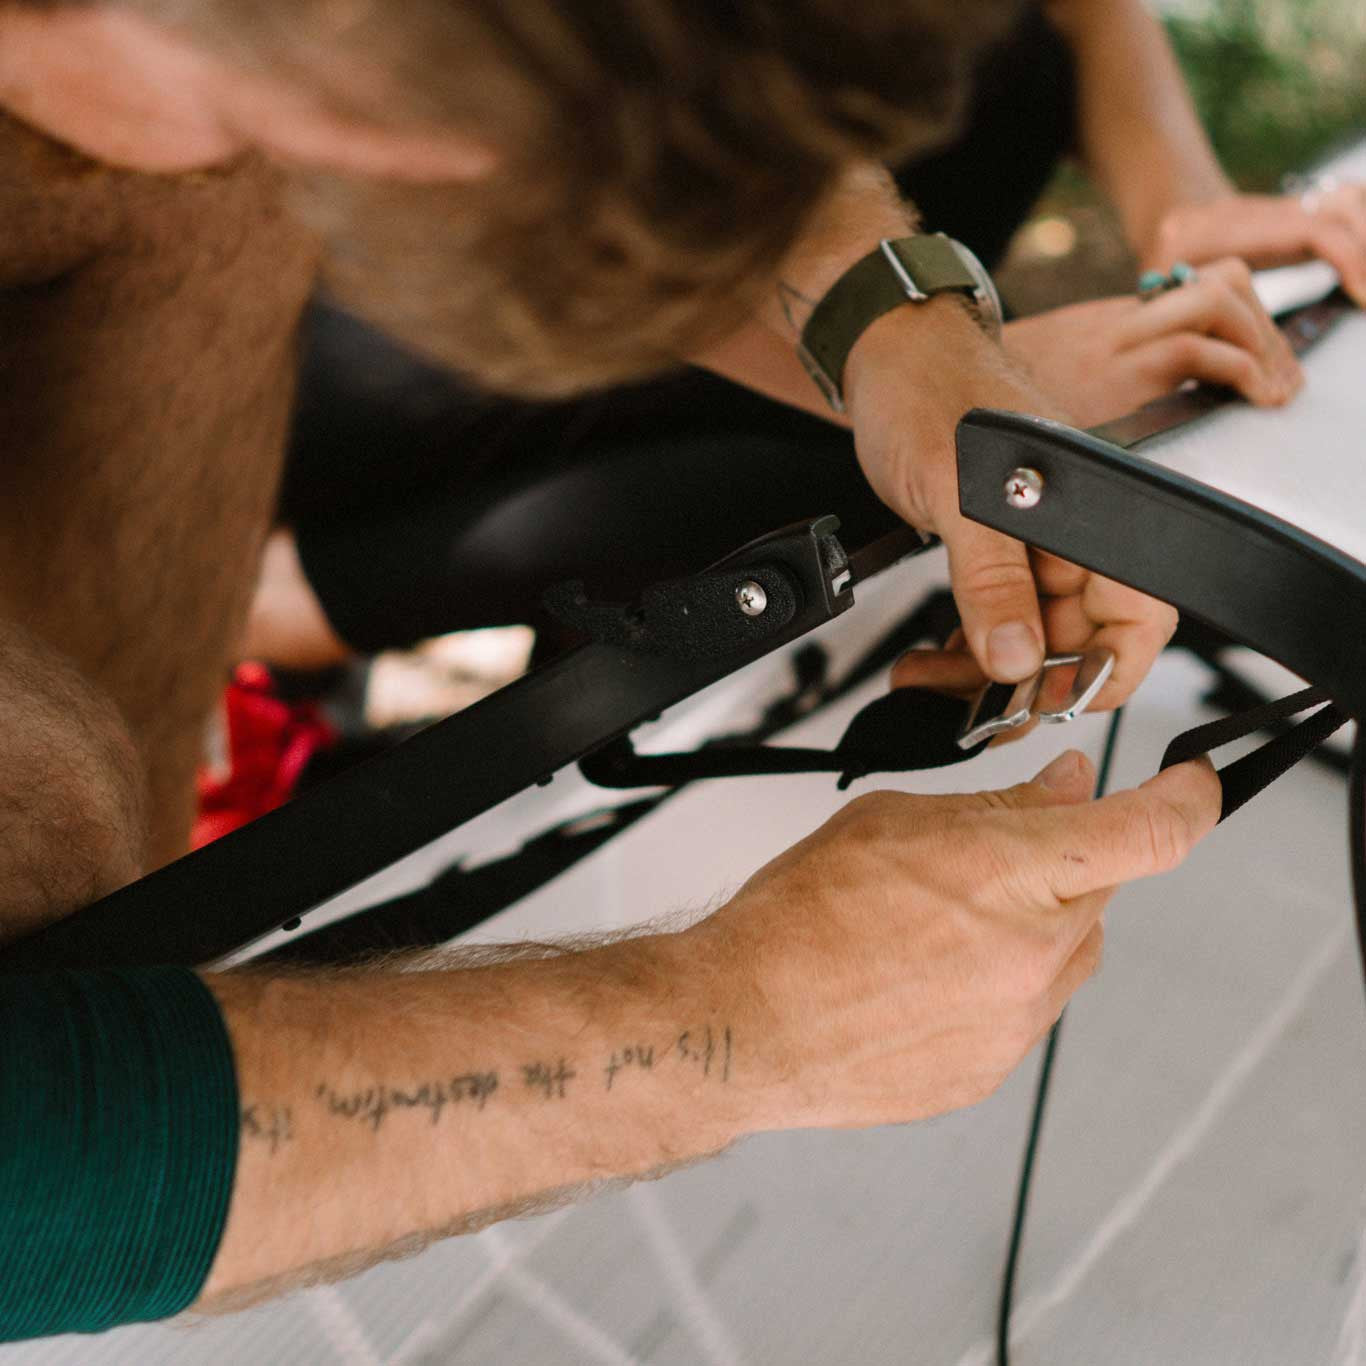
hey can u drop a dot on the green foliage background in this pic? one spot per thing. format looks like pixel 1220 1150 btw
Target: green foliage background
pixel 1279 83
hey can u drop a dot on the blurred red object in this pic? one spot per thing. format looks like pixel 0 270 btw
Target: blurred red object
pixel 269 744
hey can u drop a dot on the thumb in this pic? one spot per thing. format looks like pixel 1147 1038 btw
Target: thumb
pixel 1068 780
pixel 1130 835
pixel 997 599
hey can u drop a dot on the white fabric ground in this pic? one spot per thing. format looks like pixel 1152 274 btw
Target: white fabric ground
pixel 1202 1184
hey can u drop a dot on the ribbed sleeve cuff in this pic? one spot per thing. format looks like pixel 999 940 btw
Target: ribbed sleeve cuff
pixel 119 1123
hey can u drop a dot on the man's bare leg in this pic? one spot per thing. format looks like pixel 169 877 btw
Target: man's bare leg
pixel 145 387
pixel 72 804
pixel 287 625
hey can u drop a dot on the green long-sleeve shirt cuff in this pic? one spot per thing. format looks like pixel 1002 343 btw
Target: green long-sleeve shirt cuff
pixel 119 1122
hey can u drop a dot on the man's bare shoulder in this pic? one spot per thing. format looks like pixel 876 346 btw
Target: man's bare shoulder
pixel 57 208
pixel 60 210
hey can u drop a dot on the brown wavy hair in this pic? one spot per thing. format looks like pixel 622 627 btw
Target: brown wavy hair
pixel 658 157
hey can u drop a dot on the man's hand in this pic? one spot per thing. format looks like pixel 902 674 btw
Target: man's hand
pixel 1269 230
pixel 900 961
pixel 1111 356
pixel 911 376
pixel 908 380
pixel 897 963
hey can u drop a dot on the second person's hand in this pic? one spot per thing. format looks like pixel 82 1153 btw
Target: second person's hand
pixel 1327 224
pixel 1111 356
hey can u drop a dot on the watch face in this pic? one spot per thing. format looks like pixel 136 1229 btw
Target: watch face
pixel 988 299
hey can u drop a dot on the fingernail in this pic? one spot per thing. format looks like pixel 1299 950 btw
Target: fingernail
pixel 1013 652
pixel 1061 773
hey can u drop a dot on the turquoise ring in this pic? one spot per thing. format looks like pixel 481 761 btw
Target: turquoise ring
pixel 1153 283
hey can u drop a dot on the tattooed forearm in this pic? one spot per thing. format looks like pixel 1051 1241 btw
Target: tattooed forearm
pixel 270 1125
pixel 796 306
pixel 374 1104
pixel 708 1049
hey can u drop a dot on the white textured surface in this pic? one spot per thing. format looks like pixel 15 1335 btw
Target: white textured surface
pixel 1202 1186
pixel 1200 1190
pixel 1306 462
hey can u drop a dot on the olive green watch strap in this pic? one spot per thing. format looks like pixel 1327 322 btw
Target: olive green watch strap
pixel 906 269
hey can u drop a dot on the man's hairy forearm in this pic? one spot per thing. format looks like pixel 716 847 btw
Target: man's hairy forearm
pixel 387 1106
pixel 384 1108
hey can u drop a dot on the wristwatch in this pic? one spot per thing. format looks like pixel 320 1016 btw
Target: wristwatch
pixel 903 269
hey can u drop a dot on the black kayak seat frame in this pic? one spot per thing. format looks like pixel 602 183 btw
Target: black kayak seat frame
pixel 1251 575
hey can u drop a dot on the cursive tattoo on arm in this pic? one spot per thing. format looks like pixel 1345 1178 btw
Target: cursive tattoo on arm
pixel 374 1104
pixel 271 1126
pixel 707 1048
pixel 549 1079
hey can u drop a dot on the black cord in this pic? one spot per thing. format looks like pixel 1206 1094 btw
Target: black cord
pixel 1022 1196
pixel 1356 814
pixel 1007 1303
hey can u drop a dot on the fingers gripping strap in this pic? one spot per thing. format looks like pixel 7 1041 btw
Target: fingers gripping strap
pixel 118 1142
pixel 1246 777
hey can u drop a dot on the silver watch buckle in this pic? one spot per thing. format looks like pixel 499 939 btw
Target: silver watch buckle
pixel 904 276
pixel 1050 696
pixel 985 308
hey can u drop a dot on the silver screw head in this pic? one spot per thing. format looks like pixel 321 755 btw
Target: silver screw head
pixel 1024 488
pixel 752 598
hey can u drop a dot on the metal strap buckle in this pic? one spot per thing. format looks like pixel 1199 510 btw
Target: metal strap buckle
pixel 1061 691
pixel 904 277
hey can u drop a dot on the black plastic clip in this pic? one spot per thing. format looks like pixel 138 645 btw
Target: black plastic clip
pixel 746 598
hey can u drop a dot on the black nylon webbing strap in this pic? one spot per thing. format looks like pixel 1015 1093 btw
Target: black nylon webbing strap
pixel 1356 835
pixel 1252 577
pixel 1246 777
pixel 904 731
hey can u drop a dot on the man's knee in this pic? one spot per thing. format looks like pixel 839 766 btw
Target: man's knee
pixel 72 821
